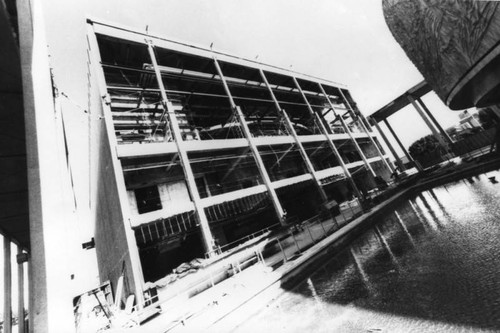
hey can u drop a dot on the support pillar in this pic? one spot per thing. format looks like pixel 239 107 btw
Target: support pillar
pixel 309 165
pixel 348 131
pixel 415 163
pixel 50 209
pixel 391 148
pixel 7 287
pixel 183 157
pixel 436 134
pixel 368 134
pixel 339 158
pixel 291 129
pixel 255 151
pixel 330 142
pixel 21 259
pixel 434 120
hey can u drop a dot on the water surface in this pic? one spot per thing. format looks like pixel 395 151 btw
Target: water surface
pixel 432 265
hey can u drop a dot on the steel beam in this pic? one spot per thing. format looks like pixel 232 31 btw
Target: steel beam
pixel 436 134
pixel 291 129
pixel 415 163
pixel 278 161
pixel 309 165
pixel 339 158
pixel 258 159
pixel 388 143
pixel 326 134
pixel 235 164
pixel 183 157
pixel 348 131
pixel 367 133
pixel 434 120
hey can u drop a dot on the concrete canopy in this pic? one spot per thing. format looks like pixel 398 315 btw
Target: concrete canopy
pixel 14 219
pixel 400 102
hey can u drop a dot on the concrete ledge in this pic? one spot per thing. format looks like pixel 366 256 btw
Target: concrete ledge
pixel 228 314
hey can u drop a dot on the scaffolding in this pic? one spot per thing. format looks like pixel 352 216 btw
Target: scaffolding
pixel 213 147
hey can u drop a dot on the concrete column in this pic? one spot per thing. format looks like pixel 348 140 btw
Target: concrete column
pixel 330 142
pixel 339 158
pixel 415 163
pixel 436 134
pixel 348 131
pixel 262 169
pixel 291 129
pixel 433 119
pixel 51 308
pixel 368 134
pixel 391 148
pixel 21 258
pixel 255 151
pixel 379 152
pixel 183 157
pixel 309 165
pixel 7 287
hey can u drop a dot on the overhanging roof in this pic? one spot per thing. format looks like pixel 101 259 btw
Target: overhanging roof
pixel 14 219
pixel 400 102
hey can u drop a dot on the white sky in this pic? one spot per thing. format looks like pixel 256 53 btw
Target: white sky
pixel 346 41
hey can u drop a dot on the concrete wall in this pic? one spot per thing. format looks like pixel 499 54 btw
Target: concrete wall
pixel 106 191
pixel 112 250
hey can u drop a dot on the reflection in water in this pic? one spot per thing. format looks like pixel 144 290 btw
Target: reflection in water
pixel 403 226
pixel 430 213
pixel 422 216
pixel 433 265
pixel 384 243
pixel 314 293
pixel 361 271
pixel 441 207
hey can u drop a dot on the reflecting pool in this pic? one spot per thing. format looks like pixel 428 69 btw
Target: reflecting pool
pixel 432 265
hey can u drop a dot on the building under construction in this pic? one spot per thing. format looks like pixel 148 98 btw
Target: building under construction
pixel 208 148
pixel 188 151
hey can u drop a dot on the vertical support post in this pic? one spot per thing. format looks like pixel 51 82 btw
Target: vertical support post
pixel 20 289
pixel 367 133
pixel 255 151
pixel 309 165
pixel 348 131
pixel 339 158
pixel 47 178
pixel 183 157
pixel 436 134
pixel 417 165
pixel 282 251
pixel 295 241
pixel 434 120
pixel 7 287
pixel 388 143
pixel 291 129
pixel 327 137
pixel 310 234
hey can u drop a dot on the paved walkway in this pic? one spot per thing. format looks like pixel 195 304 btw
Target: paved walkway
pixel 184 313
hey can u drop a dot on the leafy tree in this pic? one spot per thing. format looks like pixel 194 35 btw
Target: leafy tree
pixel 424 145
